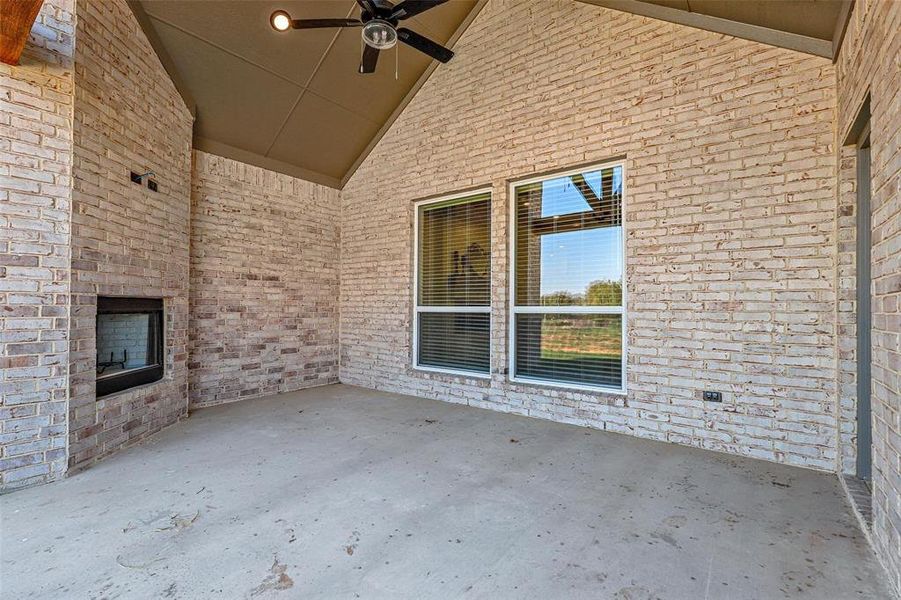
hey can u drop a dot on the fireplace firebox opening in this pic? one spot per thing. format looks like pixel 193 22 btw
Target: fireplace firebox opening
pixel 129 343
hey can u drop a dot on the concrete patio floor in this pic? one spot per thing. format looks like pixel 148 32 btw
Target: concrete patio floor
pixel 342 492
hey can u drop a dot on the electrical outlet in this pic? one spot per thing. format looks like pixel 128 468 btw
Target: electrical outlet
pixel 710 396
pixel 136 178
pixel 151 185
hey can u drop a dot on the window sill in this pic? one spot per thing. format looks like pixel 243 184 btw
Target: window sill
pixel 570 387
pixel 453 372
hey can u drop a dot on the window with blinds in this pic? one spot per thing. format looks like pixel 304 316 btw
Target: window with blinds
pixel 453 284
pixel 567 272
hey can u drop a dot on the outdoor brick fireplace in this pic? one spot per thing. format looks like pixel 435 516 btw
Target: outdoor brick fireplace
pixel 129 343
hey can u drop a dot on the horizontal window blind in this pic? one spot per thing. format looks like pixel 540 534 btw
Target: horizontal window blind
pixel 454 340
pixel 453 294
pixel 568 279
pixel 570 348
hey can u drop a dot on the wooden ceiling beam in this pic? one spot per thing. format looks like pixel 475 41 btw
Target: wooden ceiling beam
pixel 16 19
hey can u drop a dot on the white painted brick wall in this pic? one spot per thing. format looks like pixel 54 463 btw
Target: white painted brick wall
pixel 264 282
pixel 730 208
pixel 36 100
pixel 870 63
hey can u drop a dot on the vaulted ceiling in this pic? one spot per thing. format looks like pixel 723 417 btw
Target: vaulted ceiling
pixel 293 102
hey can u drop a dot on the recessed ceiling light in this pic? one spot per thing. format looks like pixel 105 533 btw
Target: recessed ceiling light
pixel 280 20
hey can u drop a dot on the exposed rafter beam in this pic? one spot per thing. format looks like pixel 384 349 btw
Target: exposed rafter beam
pixel 605 212
pixel 610 216
pixel 596 203
pixel 16 19
pixel 764 35
pixel 587 193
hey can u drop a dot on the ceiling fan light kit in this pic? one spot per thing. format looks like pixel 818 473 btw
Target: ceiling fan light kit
pixel 379 34
pixel 379 20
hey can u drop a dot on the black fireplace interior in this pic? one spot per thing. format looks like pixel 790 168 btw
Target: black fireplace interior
pixel 129 343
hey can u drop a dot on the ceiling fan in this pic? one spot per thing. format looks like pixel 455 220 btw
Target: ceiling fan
pixel 379 20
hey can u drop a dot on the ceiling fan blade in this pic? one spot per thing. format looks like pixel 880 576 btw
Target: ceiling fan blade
pixel 370 58
pixel 319 23
pixel 368 6
pixel 409 8
pixel 424 45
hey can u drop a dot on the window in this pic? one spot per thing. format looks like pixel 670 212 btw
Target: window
pixel 129 343
pixel 567 296
pixel 451 330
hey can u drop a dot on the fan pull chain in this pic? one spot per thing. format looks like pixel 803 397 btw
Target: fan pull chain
pixel 396 60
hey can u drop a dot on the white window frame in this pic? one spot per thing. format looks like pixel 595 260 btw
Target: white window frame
pixel 592 310
pixel 417 309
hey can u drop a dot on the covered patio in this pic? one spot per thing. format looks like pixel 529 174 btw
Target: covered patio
pixel 450 298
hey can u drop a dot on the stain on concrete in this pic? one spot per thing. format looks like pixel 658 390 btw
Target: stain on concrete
pixel 352 542
pixel 633 592
pixel 675 521
pixel 179 522
pixel 277 579
pixel 665 537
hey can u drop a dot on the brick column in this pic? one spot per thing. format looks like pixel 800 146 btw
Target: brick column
pixel 36 100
